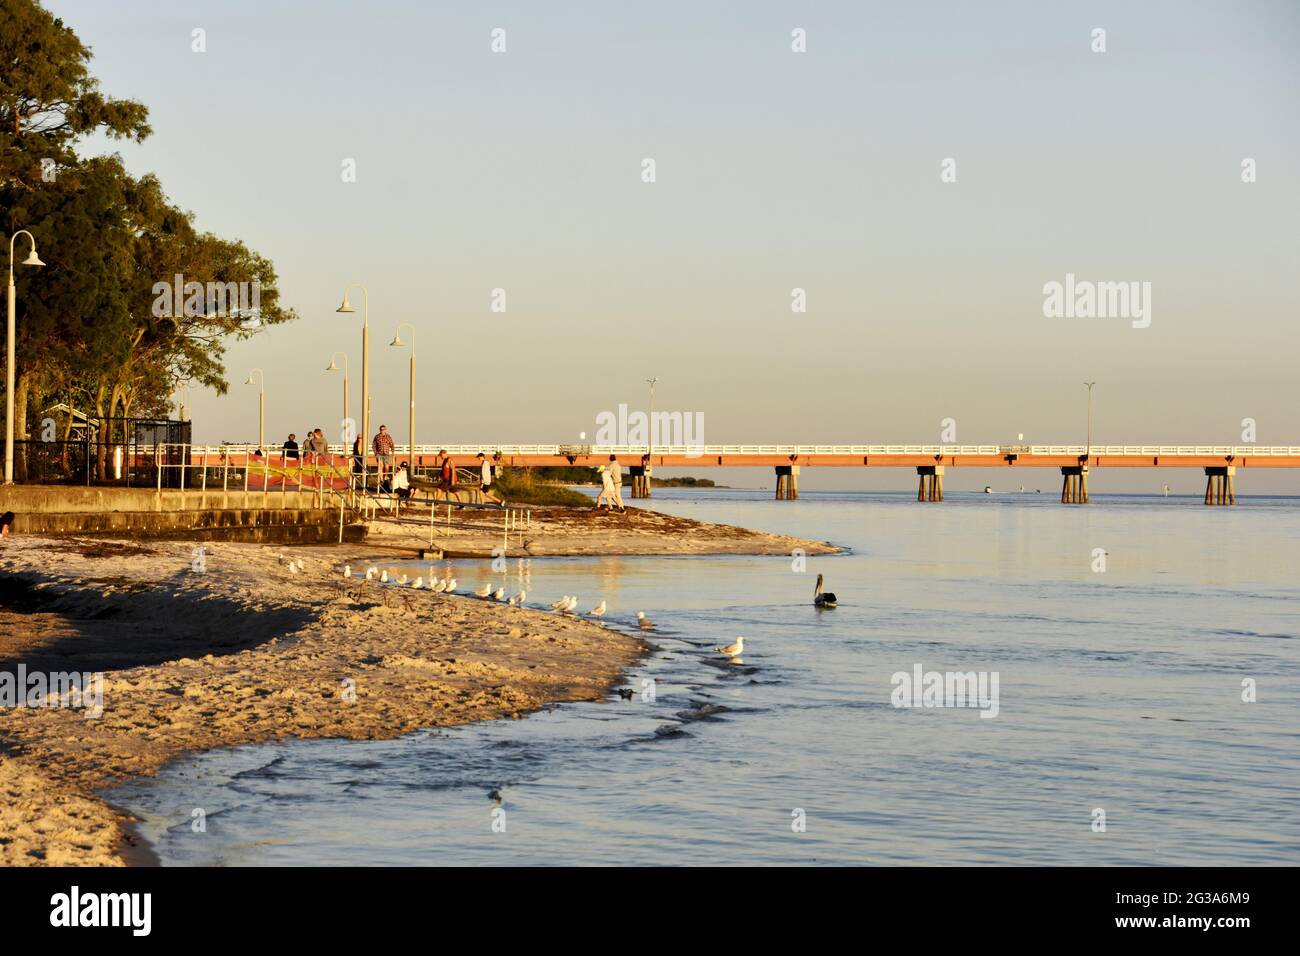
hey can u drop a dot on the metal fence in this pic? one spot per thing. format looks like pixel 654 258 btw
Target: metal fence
pixel 124 452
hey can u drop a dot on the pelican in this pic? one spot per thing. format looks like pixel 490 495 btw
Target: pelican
pixel 487 590
pixel 644 622
pixel 823 599
pixel 347 570
pixel 731 650
pixel 561 604
pixel 598 610
pixel 498 594
pixel 518 598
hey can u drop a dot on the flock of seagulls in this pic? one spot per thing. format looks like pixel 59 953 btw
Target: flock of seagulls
pixel 565 605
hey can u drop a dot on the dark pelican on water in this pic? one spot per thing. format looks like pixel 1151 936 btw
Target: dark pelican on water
pixel 823 598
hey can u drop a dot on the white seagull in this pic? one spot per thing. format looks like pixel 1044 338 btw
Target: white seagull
pixel 598 610
pixel 438 586
pixel 517 599
pixel 499 594
pixel 731 650
pixel 451 586
pixel 487 590
pixel 561 604
pixel 402 579
pixel 419 583
pixel 347 570
pixel 573 603
pixel 383 577
pixel 644 622
pixel 370 574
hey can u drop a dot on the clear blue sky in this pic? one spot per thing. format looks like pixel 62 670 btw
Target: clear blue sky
pixel 775 170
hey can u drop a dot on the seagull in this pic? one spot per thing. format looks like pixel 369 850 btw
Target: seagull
pixel 347 570
pixel 402 579
pixel 499 594
pixel 292 569
pixel 451 586
pixel 598 610
pixel 644 622
pixel 487 590
pixel 826 599
pixel 731 650
pixel 438 586
pixel 518 598
pixel 561 604
pixel 370 574
pixel 419 583
pixel 383 577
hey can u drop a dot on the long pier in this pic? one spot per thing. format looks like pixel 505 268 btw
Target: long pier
pixel 1219 462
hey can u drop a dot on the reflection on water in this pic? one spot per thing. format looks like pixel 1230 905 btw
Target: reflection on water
pixel 1120 690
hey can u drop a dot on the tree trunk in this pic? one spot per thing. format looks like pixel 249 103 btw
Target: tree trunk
pixel 21 388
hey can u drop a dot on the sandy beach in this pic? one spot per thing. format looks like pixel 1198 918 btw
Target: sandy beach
pixel 245 650
pixel 553 531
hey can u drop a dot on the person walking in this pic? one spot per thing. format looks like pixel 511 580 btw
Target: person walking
pixel 448 471
pixel 383 445
pixel 615 475
pixel 358 456
pixel 485 479
pixel 606 489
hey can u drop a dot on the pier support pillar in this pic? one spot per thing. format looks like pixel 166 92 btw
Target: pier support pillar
pixel 930 486
pixel 1221 485
pixel 787 482
pixel 1074 485
pixel 640 480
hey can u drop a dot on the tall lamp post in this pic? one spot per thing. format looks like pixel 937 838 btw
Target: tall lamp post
pixel 1089 386
pixel 333 367
pixel 398 343
pixel 650 422
pixel 261 406
pixel 365 352
pixel 31 260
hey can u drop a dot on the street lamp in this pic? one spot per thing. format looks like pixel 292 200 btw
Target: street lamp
pixel 32 260
pixel 398 343
pixel 261 406
pixel 365 352
pixel 333 367
pixel 1089 385
pixel 650 422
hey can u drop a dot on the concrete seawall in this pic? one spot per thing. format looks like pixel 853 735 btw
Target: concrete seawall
pixel 192 515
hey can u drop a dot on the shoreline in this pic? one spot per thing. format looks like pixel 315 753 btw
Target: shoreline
pixel 246 651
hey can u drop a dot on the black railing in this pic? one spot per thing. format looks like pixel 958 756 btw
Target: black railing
pixel 123 451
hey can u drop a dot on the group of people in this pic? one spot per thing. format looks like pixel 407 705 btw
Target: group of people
pixel 313 447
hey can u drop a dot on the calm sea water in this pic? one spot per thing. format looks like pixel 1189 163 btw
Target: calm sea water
pixel 1118 690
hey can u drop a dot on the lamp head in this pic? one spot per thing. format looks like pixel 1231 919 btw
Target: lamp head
pixel 332 367
pixel 397 340
pixel 249 380
pixel 33 259
pixel 346 306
